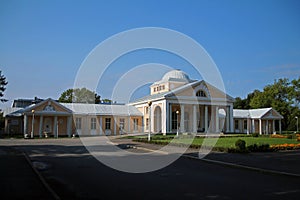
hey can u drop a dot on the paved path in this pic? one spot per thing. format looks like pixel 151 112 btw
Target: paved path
pixel 283 161
pixel 17 179
pixel 74 174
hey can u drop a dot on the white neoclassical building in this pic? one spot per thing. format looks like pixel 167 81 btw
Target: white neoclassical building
pixel 177 102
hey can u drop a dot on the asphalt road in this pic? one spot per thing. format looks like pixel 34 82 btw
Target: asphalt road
pixel 74 174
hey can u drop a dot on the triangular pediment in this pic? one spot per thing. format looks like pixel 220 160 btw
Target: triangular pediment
pixel 190 90
pixel 272 114
pixel 48 106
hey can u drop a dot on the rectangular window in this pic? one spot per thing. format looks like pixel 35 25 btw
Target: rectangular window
pixel 245 124
pixel 146 110
pixel 93 123
pixel 78 123
pixel 135 124
pixel 174 120
pixel 122 123
pixel 147 124
pixel 236 124
pixel 107 123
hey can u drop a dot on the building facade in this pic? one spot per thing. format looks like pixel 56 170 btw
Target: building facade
pixel 175 104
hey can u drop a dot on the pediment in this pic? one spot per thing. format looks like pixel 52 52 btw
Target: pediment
pixel 48 106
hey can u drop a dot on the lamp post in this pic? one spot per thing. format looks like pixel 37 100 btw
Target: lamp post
pixel 297 123
pixel 32 123
pixel 177 132
pixel 149 134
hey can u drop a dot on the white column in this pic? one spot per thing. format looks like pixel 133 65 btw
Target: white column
pixel 182 129
pixel 25 124
pixel 100 126
pixel 55 133
pixel 115 125
pixel 260 127
pixel 273 126
pixel 164 123
pixel 231 118
pixel 129 124
pixel 217 119
pixel 69 126
pixel 227 118
pixel 280 126
pixel 195 119
pixel 152 118
pixel 248 126
pixel 41 126
pixel 206 118
pixel 170 118
pixel 253 126
pixel 167 118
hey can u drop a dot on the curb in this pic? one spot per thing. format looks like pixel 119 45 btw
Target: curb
pixel 146 149
pixel 244 167
pixel 41 178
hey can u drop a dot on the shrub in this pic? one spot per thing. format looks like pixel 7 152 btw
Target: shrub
pixel 259 148
pixel 253 148
pixel 255 135
pixel 240 145
pixel 289 136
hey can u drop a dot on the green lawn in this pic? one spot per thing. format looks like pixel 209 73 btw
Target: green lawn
pixel 225 142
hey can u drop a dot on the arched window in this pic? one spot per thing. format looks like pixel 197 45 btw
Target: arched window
pixel 201 93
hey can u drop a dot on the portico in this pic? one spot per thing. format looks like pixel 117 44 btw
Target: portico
pixel 189 105
pixel 47 118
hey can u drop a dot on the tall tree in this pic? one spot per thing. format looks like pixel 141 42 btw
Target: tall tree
pixel 79 95
pixel 3 84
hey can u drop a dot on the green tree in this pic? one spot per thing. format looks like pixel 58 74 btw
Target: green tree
pixel 79 95
pixel 279 96
pixel 3 84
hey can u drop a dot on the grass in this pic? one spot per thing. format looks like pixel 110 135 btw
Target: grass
pixel 222 142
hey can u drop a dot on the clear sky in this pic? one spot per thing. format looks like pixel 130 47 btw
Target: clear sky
pixel 43 43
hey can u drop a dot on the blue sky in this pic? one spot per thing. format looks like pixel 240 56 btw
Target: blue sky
pixel 43 43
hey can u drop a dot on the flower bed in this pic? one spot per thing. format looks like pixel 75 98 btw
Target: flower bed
pixel 285 146
pixel 278 136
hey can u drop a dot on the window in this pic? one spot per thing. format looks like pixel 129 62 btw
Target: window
pixel 174 120
pixel 122 123
pixel 78 123
pixel 200 93
pixel 245 124
pixel 135 124
pixel 154 89
pixel 146 110
pixel 163 87
pixel 147 124
pixel 93 123
pixel 107 123
pixel 236 124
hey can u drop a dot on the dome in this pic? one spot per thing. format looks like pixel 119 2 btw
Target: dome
pixel 176 75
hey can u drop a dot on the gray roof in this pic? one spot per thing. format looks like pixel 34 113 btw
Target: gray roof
pixel 102 109
pixel 14 112
pixel 253 113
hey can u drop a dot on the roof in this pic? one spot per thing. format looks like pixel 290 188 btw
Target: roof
pixel 172 92
pixel 102 109
pixel 253 113
pixel 175 75
pixel 14 111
